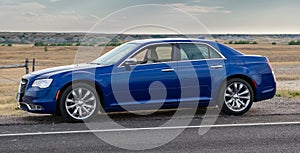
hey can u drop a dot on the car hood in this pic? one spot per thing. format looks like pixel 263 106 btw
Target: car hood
pixel 61 69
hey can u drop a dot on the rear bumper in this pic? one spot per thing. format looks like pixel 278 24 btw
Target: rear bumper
pixel 266 87
pixel 266 94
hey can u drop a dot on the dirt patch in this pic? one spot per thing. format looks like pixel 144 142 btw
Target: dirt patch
pixel 289 85
pixel 276 106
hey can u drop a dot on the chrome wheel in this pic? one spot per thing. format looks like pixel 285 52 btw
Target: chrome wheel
pixel 80 103
pixel 237 96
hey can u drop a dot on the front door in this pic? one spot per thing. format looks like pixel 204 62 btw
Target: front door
pixel 152 81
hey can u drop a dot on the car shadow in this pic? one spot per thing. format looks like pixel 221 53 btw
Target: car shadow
pixel 119 117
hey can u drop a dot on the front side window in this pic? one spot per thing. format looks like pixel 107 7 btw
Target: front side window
pixel 155 54
pixel 192 51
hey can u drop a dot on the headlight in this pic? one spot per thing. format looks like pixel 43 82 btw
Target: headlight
pixel 42 83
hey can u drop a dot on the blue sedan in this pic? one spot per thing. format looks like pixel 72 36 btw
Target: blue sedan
pixel 151 74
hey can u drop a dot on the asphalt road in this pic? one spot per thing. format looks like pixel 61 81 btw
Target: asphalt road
pixel 274 133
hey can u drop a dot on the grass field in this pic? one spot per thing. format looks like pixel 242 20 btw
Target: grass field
pixel 285 61
pixel 288 94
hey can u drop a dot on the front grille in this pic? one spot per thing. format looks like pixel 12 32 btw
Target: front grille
pixel 22 89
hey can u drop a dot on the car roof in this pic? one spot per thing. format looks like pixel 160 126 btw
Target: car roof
pixel 157 40
pixel 225 50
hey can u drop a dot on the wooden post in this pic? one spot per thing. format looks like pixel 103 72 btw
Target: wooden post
pixel 33 65
pixel 26 66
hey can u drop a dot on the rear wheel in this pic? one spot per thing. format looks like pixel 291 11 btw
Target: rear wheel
pixel 236 96
pixel 79 102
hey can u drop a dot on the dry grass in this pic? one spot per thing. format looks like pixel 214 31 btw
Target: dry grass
pixel 284 59
pixel 288 94
pixel 275 53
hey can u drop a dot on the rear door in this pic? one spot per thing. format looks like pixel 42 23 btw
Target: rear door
pixel 204 62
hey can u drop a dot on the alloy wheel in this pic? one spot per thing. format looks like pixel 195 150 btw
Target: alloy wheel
pixel 237 96
pixel 80 103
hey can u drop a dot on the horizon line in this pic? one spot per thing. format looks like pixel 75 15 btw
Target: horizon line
pixel 149 33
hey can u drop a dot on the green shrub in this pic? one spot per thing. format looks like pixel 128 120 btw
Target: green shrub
pixel 9 45
pixel 111 44
pixel 242 42
pixel 39 44
pixel 62 44
pixel 86 45
pixel 293 42
pixel 274 43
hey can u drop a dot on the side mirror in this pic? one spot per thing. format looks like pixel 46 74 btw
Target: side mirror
pixel 130 61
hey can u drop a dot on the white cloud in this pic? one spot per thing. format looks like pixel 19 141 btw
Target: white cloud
pixel 95 16
pixel 55 1
pixel 197 1
pixel 34 16
pixel 68 12
pixel 21 6
pixel 30 14
pixel 11 12
pixel 196 9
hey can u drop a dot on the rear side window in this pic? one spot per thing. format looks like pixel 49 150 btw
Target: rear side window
pixel 197 51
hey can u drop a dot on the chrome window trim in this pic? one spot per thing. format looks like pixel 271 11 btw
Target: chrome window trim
pixel 164 43
pixel 201 43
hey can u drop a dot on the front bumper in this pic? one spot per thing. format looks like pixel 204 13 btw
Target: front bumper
pixel 38 100
pixel 30 107
pixel 41 108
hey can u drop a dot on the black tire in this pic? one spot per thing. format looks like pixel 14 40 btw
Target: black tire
pixel 68 98
pixel 225 100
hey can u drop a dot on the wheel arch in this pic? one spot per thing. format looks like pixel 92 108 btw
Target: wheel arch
pixel 91 83
pixel 244 77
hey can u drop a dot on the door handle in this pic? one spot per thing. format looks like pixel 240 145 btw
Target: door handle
pixel 216 66
pixel 167 70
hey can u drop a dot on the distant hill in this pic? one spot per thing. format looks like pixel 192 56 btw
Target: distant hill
pixel 94 39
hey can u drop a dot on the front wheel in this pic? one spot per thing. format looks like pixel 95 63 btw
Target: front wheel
pixel 79 102
pixel 236 96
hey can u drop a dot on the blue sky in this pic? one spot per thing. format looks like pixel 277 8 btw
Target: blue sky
pixel 215 16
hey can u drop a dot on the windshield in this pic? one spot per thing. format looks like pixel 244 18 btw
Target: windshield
pixel 115 55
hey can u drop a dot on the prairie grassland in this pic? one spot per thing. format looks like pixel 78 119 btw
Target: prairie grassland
pixel 284 59
pixel 288 94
